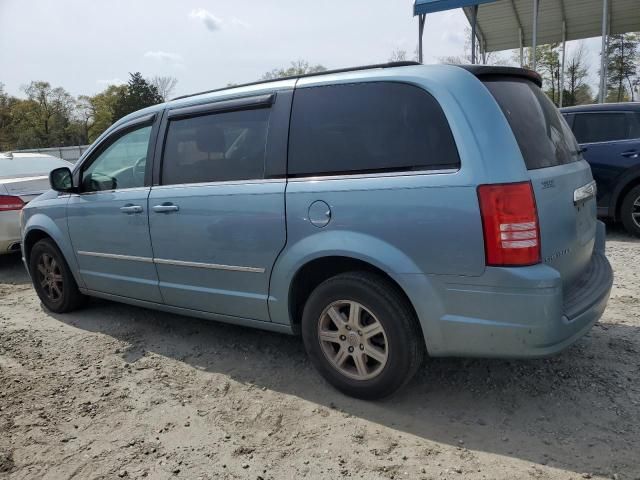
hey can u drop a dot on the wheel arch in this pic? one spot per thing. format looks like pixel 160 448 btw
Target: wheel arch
pixel 630 180
pixel 40 226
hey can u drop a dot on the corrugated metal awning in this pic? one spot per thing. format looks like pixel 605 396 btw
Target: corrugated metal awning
pixel 499 21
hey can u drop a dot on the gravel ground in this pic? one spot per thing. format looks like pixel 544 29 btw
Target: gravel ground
pixel 114 391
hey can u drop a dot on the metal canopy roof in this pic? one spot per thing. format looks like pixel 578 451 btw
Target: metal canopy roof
pixel 499 22
pixel 421 7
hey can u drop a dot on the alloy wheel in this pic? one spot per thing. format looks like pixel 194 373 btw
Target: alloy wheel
pixel 353 340
pixel 50 277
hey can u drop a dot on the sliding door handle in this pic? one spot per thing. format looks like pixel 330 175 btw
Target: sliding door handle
pixel 129 209
pixel 166 207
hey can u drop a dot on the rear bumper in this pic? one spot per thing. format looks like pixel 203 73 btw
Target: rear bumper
pixel 516 312
pixel 9 231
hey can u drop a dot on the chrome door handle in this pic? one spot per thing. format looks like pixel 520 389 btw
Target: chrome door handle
pixel 129 209
pixel 166 208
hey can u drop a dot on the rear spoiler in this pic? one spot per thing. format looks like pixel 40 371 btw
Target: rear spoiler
pixel 485 71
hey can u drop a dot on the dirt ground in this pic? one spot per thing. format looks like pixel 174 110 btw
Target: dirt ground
pixel 114 391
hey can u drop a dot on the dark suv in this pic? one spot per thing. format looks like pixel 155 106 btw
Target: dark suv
pixel 610 137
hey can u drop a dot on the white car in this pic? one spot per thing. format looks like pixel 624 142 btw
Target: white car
pixel 23 176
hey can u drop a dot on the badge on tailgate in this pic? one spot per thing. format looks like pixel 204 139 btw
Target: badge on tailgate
pixel 584 193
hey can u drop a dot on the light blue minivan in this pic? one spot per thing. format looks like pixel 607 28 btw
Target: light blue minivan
pixel 384 213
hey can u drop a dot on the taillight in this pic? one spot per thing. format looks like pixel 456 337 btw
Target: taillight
pixel 510 224
pixel 9 202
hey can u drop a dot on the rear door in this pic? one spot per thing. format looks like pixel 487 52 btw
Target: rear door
pixel 216 215
pixel 611 140
pixel 557 171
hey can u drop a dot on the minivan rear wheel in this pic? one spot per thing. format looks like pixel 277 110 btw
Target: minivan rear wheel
pixel 630 211
pixel 52 278
pixel 362 335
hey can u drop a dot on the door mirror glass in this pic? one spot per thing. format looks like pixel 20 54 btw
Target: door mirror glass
pixel 61 179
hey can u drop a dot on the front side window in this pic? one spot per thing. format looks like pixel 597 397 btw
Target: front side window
pixel 216 147
pixel 368 128
pixel 602 127
pixel 121 164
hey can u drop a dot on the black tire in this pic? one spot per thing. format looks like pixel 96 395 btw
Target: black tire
pixel 62 297
pixel 631 206
pixel 404 341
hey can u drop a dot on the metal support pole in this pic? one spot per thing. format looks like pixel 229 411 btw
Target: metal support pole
pixel 535 35
pixel 521 49
pixel 473 33
pixel 603 51
pixel 421 20
pixel 564 50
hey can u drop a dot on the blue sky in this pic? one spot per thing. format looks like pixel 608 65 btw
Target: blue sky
pixel 83 45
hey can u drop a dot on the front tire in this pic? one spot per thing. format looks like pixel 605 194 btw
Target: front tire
pixel 362 335
pixel 630 211
pixel 52 278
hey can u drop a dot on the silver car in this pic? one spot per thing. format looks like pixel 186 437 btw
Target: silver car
pixel 23 176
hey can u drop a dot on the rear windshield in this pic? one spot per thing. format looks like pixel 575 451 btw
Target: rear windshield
pixel 543 136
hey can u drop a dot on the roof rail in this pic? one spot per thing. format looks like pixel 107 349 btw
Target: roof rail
pixel 325 72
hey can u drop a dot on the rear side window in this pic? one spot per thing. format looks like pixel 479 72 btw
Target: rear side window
pixel 216 147
pixel 606 126
pixel 368 127
pixel 543 135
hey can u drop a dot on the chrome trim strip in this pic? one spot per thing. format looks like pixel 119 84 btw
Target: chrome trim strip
pixel 403 173
pixel 213 266
pixel 225 182
pixel 585 192
pixel 178 263
pixel 116 256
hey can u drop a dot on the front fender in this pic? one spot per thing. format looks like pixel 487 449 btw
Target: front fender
pixel 56 228
pixel 416 285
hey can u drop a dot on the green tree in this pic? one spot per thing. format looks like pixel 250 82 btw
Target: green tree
pixel 46 114
pixel 622 58
pixel 139 94
pixel 548 65
pixel 7 133
pixel 103 108
pixel 299 67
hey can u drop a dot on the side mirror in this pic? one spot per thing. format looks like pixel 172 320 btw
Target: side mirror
pixel 61 180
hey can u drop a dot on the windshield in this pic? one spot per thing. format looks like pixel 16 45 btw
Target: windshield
pixel 29 166
pixel 543 136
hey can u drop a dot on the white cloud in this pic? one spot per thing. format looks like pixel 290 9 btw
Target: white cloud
pixel 113 81
pixel 236 22
pixel 164 56
pixel 210 21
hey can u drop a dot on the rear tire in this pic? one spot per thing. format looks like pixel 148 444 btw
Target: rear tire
pixel 630 211
pixel 362 335
pixel 52 278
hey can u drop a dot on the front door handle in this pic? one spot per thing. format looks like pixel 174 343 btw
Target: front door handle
pixel 129 209
pixel 166 207
pixel 630 154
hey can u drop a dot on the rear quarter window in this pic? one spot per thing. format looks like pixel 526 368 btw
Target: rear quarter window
pixel 543 135
pixel 368 127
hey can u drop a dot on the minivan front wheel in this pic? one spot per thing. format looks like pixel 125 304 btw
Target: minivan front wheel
pixel 630 211
pixel 52 279
pixel 362 335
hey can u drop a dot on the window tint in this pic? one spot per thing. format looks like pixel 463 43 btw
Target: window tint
pixel 544 138
pixel 605 126
pixel 368 127
pixel 216 147
pixel 121 165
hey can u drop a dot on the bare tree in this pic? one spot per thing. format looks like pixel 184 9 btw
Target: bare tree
pixel 576 89
pixel 398 55
pixel 165 85
pixel 299 67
